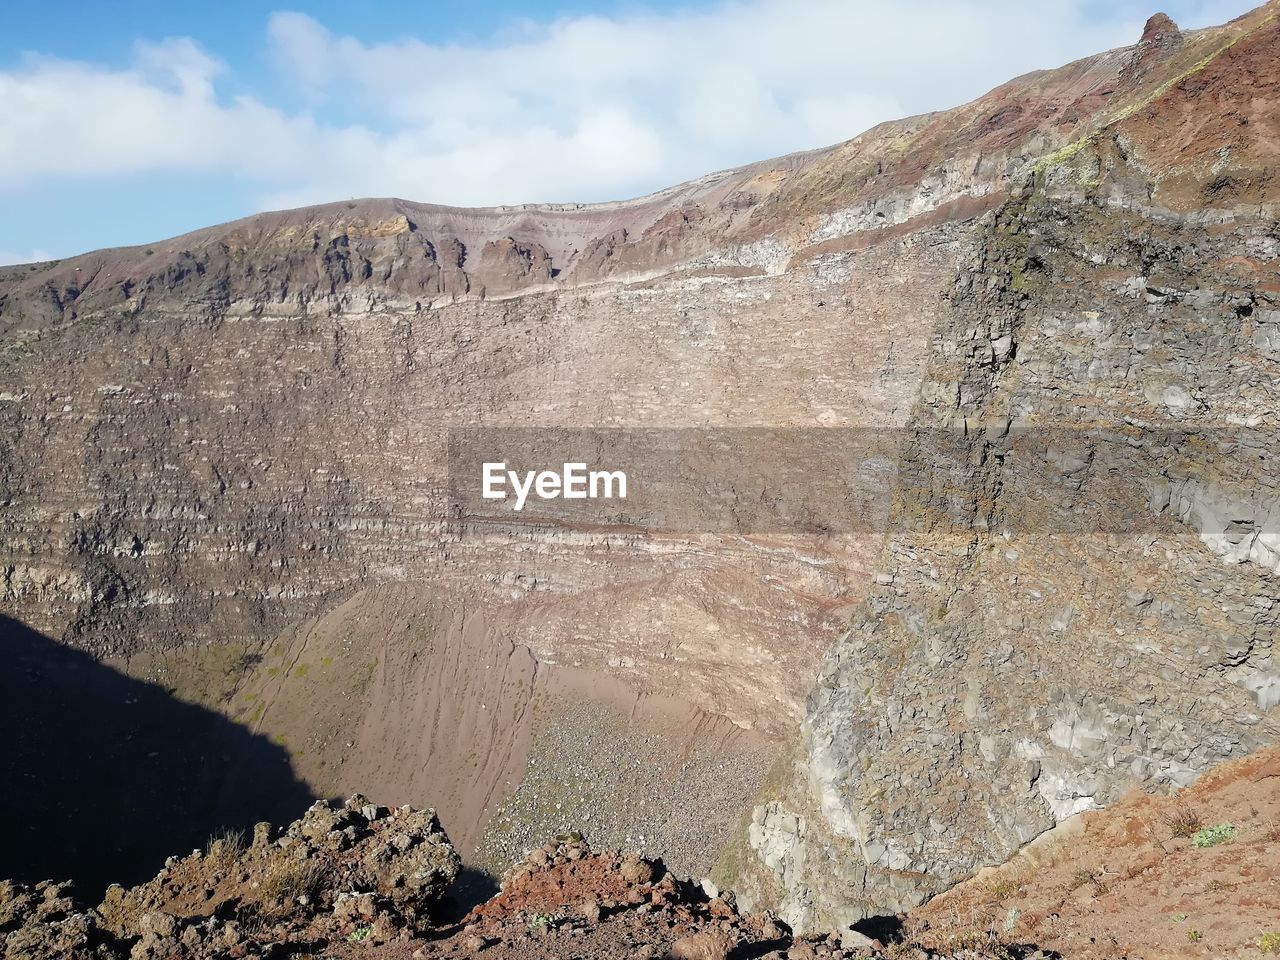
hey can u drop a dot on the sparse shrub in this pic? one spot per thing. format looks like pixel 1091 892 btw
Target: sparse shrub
pixel 914 928
pixel 1082 877
pixel 1269 942
pixel 1178 917
pixel 224 848
pixel 544 921
pixel 1183 821
pixel 920 937
pixel 1195 936
pixel 250 920
pixel 1212 836
pixel 1215 886
pixel 359 934
pixel 291 879
pixel 977 943
pixel 1004 890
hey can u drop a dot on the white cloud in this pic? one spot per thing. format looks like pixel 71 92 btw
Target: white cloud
pixel 8 257
pixel 580 109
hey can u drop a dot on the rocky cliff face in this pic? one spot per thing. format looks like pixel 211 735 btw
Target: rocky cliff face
pixel 223 464
pixel 1080 596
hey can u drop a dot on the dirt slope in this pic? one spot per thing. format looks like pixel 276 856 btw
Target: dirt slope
pixel 416 699
pixel 1129 881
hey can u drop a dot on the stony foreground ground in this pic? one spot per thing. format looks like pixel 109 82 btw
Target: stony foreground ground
pixel 359 880
pixel 1195 875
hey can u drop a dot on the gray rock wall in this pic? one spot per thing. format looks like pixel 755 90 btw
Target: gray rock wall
pixel 1081 595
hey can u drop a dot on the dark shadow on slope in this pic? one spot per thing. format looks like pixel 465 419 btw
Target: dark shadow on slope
pixel 886 928
pixel 760 948
pixel 472 887
pixel 105 776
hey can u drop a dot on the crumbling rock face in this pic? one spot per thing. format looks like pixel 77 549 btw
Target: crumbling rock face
pixel 333 870
pixel 511 266
pixel 43 921
pixel 215 438
pixel 1080 595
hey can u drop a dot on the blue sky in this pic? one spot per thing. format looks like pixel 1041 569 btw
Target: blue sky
pixel 128 123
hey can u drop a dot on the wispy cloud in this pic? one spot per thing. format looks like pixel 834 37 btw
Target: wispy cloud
pixel 9 257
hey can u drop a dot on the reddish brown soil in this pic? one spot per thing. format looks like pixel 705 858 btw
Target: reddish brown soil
pixel 1210 138
pixel 565 900
pixel 1127 887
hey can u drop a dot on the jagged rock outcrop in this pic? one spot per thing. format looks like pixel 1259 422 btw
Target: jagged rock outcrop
pixel 1160 37
pixel 1080 595
pixel 350 871
pixel 44 921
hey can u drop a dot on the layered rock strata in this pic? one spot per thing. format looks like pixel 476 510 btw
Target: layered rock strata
pixel 1080 595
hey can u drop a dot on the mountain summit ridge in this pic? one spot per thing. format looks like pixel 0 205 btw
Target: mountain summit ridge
pixel 438 254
